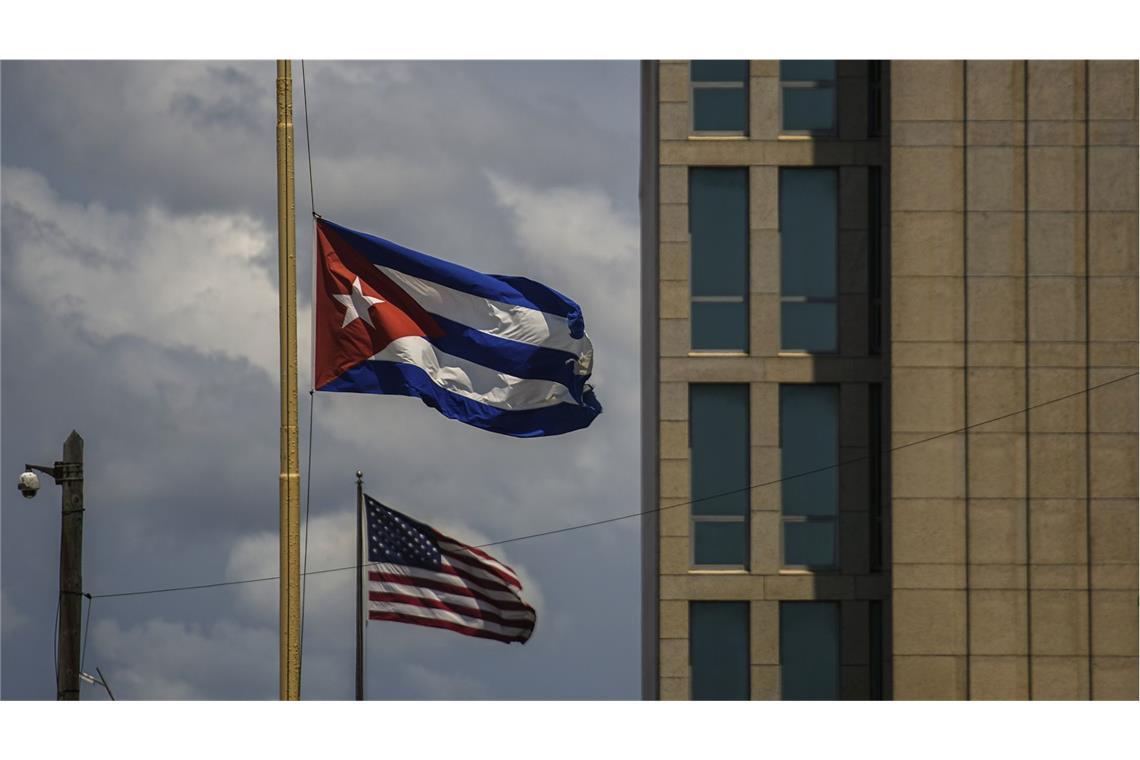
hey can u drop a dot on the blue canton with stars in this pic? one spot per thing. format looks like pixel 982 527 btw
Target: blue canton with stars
pixel 398 539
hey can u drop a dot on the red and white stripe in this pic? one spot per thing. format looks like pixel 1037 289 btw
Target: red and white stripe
pixel 473 594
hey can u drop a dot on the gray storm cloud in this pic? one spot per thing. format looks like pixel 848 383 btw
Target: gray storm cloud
pixel 139 307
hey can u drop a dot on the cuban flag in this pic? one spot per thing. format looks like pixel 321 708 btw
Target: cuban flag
pixel 505 354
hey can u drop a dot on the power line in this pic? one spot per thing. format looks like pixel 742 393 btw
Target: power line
pixel 194 588
pixel 655 509
pixel 810 472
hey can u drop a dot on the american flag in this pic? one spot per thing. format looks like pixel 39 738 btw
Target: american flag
pixel 418 575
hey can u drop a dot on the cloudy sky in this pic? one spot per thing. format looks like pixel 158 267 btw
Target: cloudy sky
pixel 139 306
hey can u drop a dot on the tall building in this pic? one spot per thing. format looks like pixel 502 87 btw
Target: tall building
pixel 889 323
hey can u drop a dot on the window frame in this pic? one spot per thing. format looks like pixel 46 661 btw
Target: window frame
pixel 809 299
pixel 719 85
pixel 745 518
pixel 811 84
pixel 785 518
pixel 741 299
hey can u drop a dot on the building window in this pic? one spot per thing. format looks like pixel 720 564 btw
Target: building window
pixel 809 650
pixel 809 241
pixel 809 453
pixel 875 444
pixel 875 635
pixel 874 98
pixel 719 97
pixel 875 259
pixel 719 456
pixel 718 650
pixel 718 231
pixel 807 96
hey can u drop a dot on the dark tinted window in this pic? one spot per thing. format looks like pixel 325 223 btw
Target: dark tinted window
pixel 718 224
pixel 875 259
pixel 719 96
pixel 809 650
pixel 809 453
pixel 808 96
pixel 809 241
pixel 720 326
pixel 719 451
pixel 807 70
pixel 719 71
pixel 875 444
pixel 874 98
pixel 718 229
pixel 810 543
pixel 719 543
pixel 719 109
pixel 718 650
pixel 875 656
pixel 809 440
pixel 718 424
pixel 808 326
pixel 811 110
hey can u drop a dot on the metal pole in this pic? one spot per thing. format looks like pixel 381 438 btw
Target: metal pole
pixel 69 474
pixel 359 586
pixel 290 478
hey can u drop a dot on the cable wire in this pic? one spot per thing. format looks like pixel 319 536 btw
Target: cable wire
pixel 309 465
pixel 191 588
pixel 86 631
pixel 55 639
pixel 807 472
pixel 308 146
pixel 305 552
pixel 662 508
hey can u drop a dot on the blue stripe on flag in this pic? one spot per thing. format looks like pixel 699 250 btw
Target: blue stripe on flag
pixel 409 380
pixel 517 291
pixel 509 356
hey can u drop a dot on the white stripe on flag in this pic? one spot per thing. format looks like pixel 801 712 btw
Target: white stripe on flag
pixel 474 381
pixel 413 610
pixel 449 579
pixel 451 600
pixel 468 554
pixel 477 571
pixel 519 323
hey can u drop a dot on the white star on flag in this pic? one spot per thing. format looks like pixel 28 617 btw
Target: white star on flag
pixel 357 304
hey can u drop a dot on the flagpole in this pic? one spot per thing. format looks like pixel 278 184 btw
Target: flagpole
pixel 289 678
pixel 359 586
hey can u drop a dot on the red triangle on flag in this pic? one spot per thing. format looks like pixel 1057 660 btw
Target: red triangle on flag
pixel 358 309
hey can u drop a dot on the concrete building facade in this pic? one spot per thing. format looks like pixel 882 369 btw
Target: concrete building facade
pixel 857 277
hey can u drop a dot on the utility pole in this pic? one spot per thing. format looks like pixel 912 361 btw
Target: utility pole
pixel 69 474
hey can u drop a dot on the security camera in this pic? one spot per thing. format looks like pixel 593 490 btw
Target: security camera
pixel 29 484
